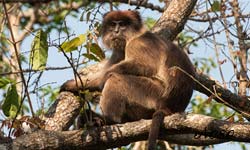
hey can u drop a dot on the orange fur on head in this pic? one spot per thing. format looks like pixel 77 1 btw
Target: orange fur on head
pixel 127 15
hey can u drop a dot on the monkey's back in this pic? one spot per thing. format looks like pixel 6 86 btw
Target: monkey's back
pixel 165 57
pixel 179 84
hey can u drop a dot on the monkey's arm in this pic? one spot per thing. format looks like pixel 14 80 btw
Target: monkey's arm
pixel 130 67
pixel 141 59
pixel 76 85
pixel 143 56
pixel 90 80
pixel 133 67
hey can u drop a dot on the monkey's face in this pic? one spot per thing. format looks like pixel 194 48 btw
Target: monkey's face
pixel 115 35
pixel 118 27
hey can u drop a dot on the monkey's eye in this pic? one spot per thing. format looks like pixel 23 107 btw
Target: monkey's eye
pixel 123 23
pixel 113 24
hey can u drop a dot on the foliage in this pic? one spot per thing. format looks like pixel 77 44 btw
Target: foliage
pixel 11 101
pixel 215 6
pixel 49 93
pixel 71 45
pixel 205 65
pixel 4 82
pixel 201 105
pixel 150 22
pixel 39 51
pixel 94 52
pixel 185 40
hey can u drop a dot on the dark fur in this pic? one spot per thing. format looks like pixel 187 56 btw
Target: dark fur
pixel 138 81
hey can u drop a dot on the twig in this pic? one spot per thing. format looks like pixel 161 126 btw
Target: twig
pixel 18 61
pixel 216 49
pixel 230 45
pixel 20 68
pixel 243 78
pixel 32 70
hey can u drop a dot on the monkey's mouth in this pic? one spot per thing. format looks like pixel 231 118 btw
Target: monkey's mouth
pixel 117 39
pixel 117 43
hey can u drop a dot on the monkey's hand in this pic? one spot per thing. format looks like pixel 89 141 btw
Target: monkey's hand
pixel 70 86
pixel 75 86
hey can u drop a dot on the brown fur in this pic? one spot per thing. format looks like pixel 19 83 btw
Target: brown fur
pixel 138 81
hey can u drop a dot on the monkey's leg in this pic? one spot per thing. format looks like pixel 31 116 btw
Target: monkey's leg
pixel 112 101
pixel 129 98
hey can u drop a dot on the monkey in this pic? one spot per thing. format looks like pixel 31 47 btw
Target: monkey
pixel 140 80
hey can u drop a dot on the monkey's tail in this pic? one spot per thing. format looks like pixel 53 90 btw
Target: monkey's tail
pixel 157 121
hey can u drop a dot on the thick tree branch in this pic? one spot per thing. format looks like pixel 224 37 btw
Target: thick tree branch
pixel 174 18
pixel 62 113
pixel 222 95
pixel 123 134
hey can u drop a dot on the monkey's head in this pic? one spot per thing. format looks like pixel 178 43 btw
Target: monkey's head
pixel 118 27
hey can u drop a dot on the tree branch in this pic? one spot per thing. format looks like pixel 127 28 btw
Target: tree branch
pixel 144 4
pixel 30 13
pixel 191 125
pixel 222 95
pixel 174 18
pixel 63 112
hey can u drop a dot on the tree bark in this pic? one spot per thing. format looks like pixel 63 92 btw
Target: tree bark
pixel 191 129
pixel 63 112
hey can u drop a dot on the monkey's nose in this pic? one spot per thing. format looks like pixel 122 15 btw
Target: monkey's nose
pixel 117 29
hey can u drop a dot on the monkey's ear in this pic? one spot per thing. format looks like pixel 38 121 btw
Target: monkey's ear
pixel 137 14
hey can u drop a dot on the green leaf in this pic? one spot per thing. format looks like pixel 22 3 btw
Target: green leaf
pixel 91 57
pixel 71 45
pixel 4 82
pixel 95 49
pixel 11 103
pixel 13 110
pixel 150 22
pixel 215 6
pixel 39 51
